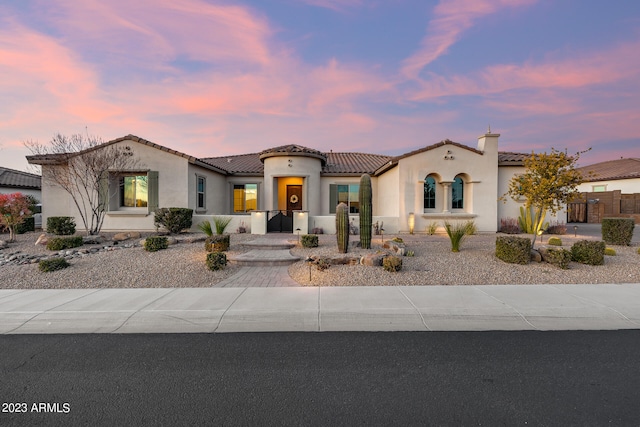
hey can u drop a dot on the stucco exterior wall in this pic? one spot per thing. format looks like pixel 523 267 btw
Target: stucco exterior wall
pixel 480 176
pixel 626 186
pixel 385 199
pixel 307 168
pixel 216 200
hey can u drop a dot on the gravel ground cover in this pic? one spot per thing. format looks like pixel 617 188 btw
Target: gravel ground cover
pixel 183 265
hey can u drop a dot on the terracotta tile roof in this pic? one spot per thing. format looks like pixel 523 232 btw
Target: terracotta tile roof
pixel 238 164
pixel 59 158
pixel 19 179
pixel 354 163
pixel 611 170
pixel 506 158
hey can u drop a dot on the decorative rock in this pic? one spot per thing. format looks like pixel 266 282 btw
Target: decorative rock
pixel 397 247
pixel 42 239
pixel 3 244
pixel 93 240
pixel 374 260
pixel 119 237
pixel 535 256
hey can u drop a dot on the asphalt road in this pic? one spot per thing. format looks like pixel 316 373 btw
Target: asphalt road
pixel 427 378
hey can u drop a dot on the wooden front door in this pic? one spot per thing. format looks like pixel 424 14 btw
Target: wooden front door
pixel 294 197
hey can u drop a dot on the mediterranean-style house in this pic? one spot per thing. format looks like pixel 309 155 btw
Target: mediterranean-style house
pixel 296 189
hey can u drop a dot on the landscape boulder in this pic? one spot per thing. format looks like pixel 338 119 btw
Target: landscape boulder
pixel 373 260
pixel 120 237
pixel 535 256
pixel 42 239
pixel 93 240
pixel 396 247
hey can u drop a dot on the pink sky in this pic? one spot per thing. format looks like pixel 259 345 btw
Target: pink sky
pixel 213 78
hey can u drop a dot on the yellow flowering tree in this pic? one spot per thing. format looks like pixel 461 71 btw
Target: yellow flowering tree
pixel 549 182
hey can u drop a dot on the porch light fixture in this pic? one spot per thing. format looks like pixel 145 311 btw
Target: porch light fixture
pixel 298 230
pixel 575 231
pixel 412 222
pixel 382 235
pixel 309 260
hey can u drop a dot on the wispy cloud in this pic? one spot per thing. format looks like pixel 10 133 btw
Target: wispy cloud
pixel 335 5
pixel 451 19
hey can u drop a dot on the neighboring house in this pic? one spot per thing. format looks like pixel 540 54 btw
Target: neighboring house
pixel 610 189
pixel 14 181
pixel 293 187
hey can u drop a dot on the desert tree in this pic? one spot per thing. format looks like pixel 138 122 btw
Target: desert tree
pixel 549 182
pixel 14 208
pixel 80 165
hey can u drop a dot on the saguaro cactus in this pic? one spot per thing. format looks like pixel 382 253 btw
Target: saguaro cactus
pixel 342 227
pixel 366 214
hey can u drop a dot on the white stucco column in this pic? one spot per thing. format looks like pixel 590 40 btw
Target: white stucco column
pixel 445 197
pixel 258 222
pixel 301 221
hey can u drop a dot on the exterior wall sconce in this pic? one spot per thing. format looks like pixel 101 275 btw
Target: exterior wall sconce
pixel 412 222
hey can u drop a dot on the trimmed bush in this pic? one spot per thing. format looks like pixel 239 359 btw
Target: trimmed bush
pixel 556 256
pixel 53 264
pixel 174 219
pixel 617 231
pixel 61 225
pixel 397 240
pixel 392 263
pixel 217 243
pixel 555 241
pixel 588 252
pixel 29 224
pixel 60 243
pixel 216 261
pixel 156 243
pixel 610 252
pixel 513 249
pixel 309 241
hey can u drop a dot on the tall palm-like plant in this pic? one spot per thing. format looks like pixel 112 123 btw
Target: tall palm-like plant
pixel 221 223
pixel 205 227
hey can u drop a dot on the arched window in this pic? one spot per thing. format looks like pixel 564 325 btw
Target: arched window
pixel 429 193
pixel 457 194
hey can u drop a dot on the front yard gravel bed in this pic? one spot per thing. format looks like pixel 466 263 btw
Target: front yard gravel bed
pixel 183 265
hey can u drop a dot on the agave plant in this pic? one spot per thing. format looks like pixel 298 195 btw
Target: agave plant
pixel 457 232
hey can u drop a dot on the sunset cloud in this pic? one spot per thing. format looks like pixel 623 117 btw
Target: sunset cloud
pixel 451 19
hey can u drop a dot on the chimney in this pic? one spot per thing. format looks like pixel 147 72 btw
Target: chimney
pixel 488 142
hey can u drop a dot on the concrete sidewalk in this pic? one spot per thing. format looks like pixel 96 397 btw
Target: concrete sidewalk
pixel 423 308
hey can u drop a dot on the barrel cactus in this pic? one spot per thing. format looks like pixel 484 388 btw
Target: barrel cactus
pixel 366 207
pixel 342 227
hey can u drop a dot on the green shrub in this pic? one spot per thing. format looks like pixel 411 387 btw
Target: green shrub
pixel 513 249
pixel 397 240
pixel 309 241
pixel 60 243
pixel 61 225
pixel 555 241
pixel 589 252
pixel 174 220
pixel 217 243
pixel 410 253
pixel 392 263
pixel 53 264
pixel 558 257
pixel 617 231
pixel 610 252
pixel 221 223
pixel 156 243
pixel 29 224
pixel 638 251
pixel 216 260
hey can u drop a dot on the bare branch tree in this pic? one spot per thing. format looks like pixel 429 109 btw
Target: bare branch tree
pixel 80 165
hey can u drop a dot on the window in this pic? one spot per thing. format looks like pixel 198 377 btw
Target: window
pixel 201 185
pixel 344 193
pixel 129 190
pixel 457 194
pixel 430 193
pixel 133 191
pixel 245 198
pixel 599 188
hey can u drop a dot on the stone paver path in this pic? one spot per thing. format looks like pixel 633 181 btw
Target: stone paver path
pixel 266 265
